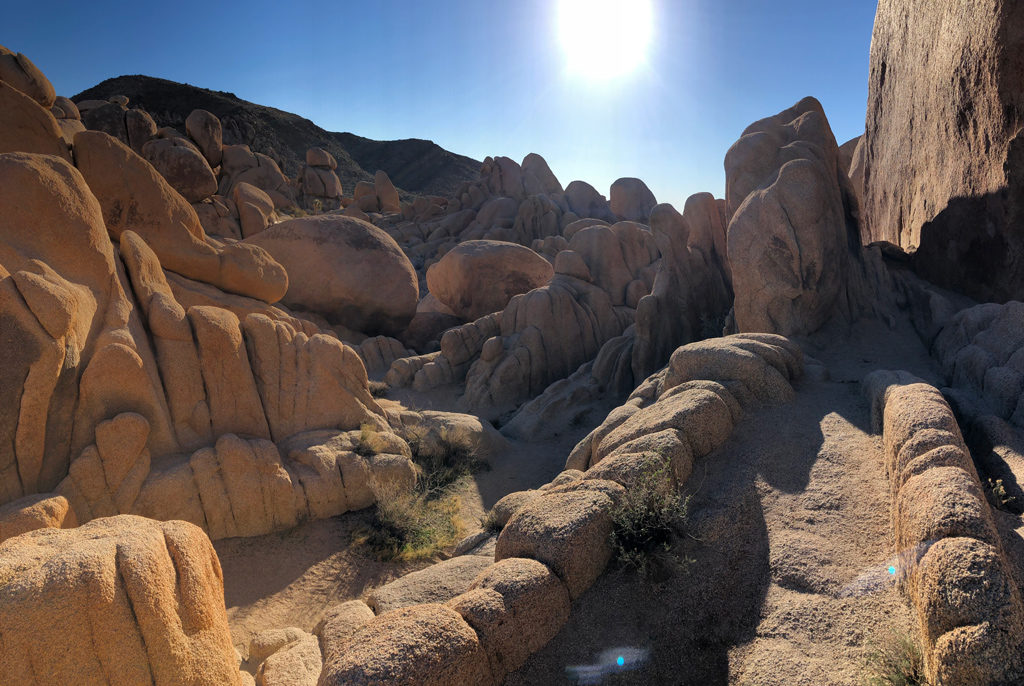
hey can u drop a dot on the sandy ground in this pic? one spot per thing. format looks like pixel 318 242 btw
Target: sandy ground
pixel 790 545
pixel 290 578
pixel 788 536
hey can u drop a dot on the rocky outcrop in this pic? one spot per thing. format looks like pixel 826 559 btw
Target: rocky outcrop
pixel 981 350
pixel 134 196
pixel 793 237
pixel 477 278
pixel 344 269
pixel 691 294
pixel 548 333
pixel 20 73
pixel 943 142
pixel 183 165
pixel 318 182
pixel 631 200
pixel 952 564
pixel 124 596
pixel 554 541
pixel 26 126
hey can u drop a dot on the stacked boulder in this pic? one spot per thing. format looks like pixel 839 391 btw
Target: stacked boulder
pixel 147 370
pixel 793 234
pixel 321 188
pixel 69 119
pixel 378 196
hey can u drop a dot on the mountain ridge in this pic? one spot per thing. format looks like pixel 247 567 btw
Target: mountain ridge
pixel 416 166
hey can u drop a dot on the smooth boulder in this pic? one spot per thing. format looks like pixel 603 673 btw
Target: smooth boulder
pixel 344 269
pixel 480 277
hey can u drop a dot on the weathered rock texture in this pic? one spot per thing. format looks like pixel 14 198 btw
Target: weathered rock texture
pixel 477 278
pixel 952 563
pixel 345 269
pixel 554 541
pixel 943 174
pixel 120 600
pixel 981 351
pixel 793 237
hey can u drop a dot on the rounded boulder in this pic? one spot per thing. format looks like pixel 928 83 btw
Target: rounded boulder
pixel 346 270
pixel 477 278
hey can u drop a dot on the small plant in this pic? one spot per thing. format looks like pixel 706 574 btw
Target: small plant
pixel 490 522
pixel 445 458
pixel 317 206
pixel 417 523
pixel 379 389
pixel 997 496
pixel 409 525
pixel 648 523
pixel 369 443
pixel 897 661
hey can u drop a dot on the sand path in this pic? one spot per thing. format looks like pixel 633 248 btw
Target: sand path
pixel 790 546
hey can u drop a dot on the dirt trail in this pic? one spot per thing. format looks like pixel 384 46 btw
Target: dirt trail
pixel 790 545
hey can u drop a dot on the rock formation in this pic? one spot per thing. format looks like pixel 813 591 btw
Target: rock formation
pixel 477 278
pixel 345 269
pixel 784 178
pixel 125 596
pixel 942 143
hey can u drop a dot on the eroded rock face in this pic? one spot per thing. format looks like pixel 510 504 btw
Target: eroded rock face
pixel 793 237
pixel 477 278
pixel 19 72
pixel 134 196
pixel 128 596
pixel 632 200
pixel 345 269
pixel 184 167
pixel 548 333
pixel 943 142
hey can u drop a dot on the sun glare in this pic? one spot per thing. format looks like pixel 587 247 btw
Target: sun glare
pixel 604 39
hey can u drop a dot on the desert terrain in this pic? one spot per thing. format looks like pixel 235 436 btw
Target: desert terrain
pixel 288 407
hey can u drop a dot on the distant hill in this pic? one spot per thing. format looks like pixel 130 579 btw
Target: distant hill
pixel 415 166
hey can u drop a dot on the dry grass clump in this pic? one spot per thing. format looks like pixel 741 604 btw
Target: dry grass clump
pixel 895 661
pixel 379 389
pixel 418 523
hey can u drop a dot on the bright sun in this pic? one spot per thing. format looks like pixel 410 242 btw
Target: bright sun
pixel 604 39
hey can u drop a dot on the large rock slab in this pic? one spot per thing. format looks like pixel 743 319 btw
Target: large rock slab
pixel 345 269
pixel 793 238
pixel 943 141
pixel 123 596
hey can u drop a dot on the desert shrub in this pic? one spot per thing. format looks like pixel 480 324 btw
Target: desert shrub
pixel 444 458
pixel 417 523
pixel 997 496
pixel 490 522
pixel 410 525
pixel 648 525
pixel 369 442
pixel 895 661
pixel 379 389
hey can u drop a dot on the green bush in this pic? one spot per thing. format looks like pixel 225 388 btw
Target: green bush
pixel 649 523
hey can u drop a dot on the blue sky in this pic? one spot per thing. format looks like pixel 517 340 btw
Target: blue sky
pixel 484 77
